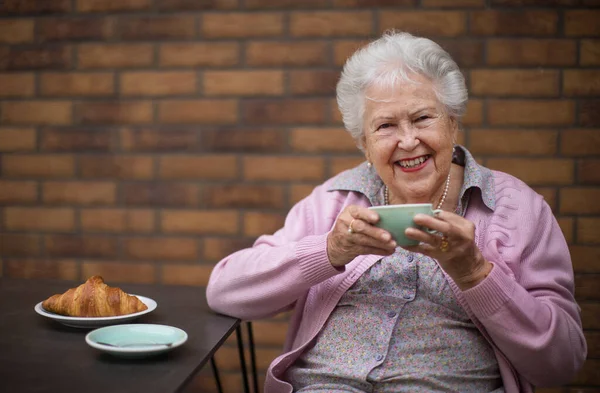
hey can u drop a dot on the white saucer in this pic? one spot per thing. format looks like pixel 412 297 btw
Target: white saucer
pixel 136 340
pixel 95 322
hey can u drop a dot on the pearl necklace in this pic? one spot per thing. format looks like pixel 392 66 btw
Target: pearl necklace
pixel 386 194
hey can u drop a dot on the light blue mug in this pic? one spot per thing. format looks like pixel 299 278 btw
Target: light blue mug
pixel 396 218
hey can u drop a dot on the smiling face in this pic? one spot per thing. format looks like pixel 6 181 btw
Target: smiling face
pixel 408 136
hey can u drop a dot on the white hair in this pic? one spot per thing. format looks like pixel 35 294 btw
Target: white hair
pixel 388 61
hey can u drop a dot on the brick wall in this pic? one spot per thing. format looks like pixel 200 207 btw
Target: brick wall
pixel 146 139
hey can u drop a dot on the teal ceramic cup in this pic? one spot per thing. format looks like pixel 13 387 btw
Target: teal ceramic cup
pixel 396 218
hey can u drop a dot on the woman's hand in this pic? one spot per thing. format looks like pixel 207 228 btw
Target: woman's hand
pixel 453 247
pixel 354 234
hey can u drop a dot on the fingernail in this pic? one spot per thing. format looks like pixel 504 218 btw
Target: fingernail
pixel 393 243
pixel 385 237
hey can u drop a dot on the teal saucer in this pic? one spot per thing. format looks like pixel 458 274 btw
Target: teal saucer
pixel 136 340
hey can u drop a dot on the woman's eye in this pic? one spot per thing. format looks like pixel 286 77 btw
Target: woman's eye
pixel 424 117
pixel 385 125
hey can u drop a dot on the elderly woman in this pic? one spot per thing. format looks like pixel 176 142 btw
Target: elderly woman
pixel 483 303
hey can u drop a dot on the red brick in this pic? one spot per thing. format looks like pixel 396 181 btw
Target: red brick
pixel 16 31
pixel 342 50
pixel 259 223
pixel 117 167
pixel 582 23
pixel 330 23
pixel 117 220
pixel 216 248
pixel 531 52
pixel 284 4
pixel 77 84
pixel 150 248
pixel 242 83
pixel 313 82
pixel 425 23
pixel 160 194
pixel 200 222
pixel 566 225
pixel 17 85
pixel 322 140
pixel 113 272
pixel 17 192
pixel 8 7
pixel 517 23
pixel 589 113
pixel 300 191
pixel 575 200
pixel 157 27
pixel 280 54
pixel 198 111
pixel 56 29
pixel 453 3
pixel 269 332
pixel 586 259
pixel 589 52
pixel 474 114
pixel 592 337
pixel 580 142
pixel 196 275
pixel 79 193
pixel 586 288
pixel 588 230
pixel 588 171
pixel 465 52
pixel 76 140
pixel 91 246
pixel 524 83
pixel 54 57
pixel 242 25
pixel 283 168
pixel 581 82
pixel 531 112
pixel 112 5
pixel 513 142
pixel 158 83
pixel 39 219
pixel 41 269
pixel 245 140
pixel 590 315
pixel 340 164
pixel 17 245
pixel 244 196
pixel 192 5
pixel 215 167
pixel 285 111
pixel 116 112
pixel 17 139
pixel 158 140
pixel 37 112
pixel 39 165
pixel 115 55
pixel 199 54
pixel 536 171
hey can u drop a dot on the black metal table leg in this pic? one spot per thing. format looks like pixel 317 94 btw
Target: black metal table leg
pixel 216 374
pixel 252 357
pixel 238 333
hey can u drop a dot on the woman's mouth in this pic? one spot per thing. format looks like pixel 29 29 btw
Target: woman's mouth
pixel 412 164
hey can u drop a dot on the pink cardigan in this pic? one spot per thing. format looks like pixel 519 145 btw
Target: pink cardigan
pixel 525 307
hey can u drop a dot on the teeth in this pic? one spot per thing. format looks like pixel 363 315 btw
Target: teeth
pixel 412 163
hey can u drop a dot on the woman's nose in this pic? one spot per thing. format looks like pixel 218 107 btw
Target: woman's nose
pixel 407 140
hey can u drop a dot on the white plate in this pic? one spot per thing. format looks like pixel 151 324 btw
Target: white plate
pixel 95 322
pixel 136 340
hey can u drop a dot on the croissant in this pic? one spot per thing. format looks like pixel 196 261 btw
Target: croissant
pixel 94 299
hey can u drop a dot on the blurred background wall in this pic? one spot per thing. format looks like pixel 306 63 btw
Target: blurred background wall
pixel 144 140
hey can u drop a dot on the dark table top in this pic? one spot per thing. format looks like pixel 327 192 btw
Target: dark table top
pixel 40 355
